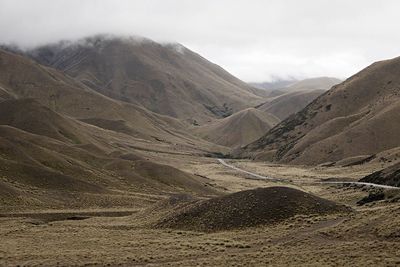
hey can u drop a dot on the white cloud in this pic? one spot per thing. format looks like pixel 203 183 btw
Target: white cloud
pixel 256 40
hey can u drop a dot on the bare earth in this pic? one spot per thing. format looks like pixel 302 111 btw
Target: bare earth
pixel 368 236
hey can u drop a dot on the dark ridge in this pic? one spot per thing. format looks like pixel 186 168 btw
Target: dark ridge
pixel 389 176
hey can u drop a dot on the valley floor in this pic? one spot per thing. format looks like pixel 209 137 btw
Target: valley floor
pixel 368 236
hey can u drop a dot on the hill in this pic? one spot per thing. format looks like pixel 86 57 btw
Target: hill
pixel 239 129
pixel 289 103
pixel 21 78
pixel 63 145
pixel 48 160
pixel 167 79
pixel 388 176
pixel 248 208
pixel 357 117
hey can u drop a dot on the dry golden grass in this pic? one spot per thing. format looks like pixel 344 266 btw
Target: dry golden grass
pixel 369 236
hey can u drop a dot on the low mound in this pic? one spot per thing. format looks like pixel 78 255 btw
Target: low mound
pixel 388 176
pixel 238 129
pixel 249 208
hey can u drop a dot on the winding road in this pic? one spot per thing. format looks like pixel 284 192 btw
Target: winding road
pixel 262 177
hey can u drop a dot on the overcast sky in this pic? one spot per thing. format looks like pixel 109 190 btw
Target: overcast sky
pixel 256 40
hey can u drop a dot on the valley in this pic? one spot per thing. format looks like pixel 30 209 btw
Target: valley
pixel 125 151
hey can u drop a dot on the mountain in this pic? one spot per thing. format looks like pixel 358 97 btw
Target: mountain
pixel 280 87
pixel 274 85
pixel 360 116
pixel 21 78
pixel 168 79
pixel 239 129
pixel 317 83
pixel 64 145
pixel 306 85
pixel 289 103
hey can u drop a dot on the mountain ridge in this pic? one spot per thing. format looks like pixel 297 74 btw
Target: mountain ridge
pixel 165 78
pixel 331 127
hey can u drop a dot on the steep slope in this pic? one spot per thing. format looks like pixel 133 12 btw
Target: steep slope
pixel 360 116
pixel 168 79
pixel 289 103
pixel 23 78
pixel 248 208
pixel 238 129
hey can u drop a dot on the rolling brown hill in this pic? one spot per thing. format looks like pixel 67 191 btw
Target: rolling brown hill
pixel 63 145
pixel 48 160
pixel 168 79
pixel 248 208
pixel 239 129
pixel 289 103
pixel 357 117
pixel 21 77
